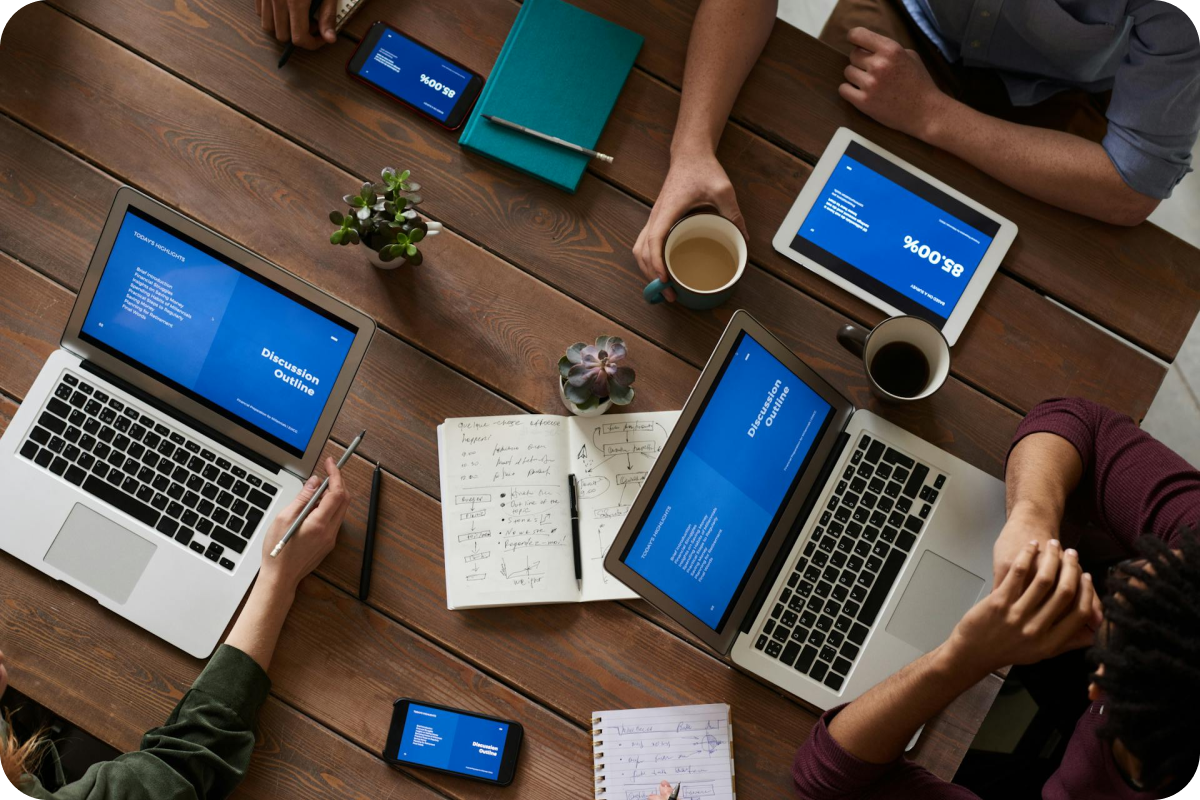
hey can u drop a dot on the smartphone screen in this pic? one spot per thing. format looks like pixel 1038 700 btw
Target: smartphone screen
pixel 429 82
pixel 450 740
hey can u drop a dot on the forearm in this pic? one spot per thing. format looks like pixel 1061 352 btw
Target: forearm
pixel 1043 469
pixel 257 629
pixel 727 38
pixel 1055 167
pixel 879 725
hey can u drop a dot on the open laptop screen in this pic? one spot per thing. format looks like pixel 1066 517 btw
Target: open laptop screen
pixel 209 328
pixel 734 472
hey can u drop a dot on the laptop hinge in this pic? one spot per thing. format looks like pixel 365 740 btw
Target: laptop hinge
pixel 179 416
pixel 785 551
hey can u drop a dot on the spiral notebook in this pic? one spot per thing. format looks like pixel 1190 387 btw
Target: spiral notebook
pixel 345 10
pixel 636 749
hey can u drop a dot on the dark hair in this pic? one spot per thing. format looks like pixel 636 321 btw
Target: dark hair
pixel 1152 659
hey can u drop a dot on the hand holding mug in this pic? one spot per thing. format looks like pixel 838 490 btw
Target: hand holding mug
pixel 705 255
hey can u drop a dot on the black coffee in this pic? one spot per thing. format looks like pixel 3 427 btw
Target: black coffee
pixel 901 369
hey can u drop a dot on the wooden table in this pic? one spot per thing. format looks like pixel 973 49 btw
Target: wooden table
pixel 181 99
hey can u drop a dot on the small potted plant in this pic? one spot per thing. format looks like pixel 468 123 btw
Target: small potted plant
pixel 383 217
pixel 592 377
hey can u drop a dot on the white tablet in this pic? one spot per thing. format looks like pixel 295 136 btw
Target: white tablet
pixel 896 237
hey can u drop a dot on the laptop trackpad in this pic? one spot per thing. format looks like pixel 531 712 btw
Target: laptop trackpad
pixel 936 598
pixel 99 553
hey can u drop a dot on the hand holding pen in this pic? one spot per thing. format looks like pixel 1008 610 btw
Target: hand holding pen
pixel 315 536
pixel 665 792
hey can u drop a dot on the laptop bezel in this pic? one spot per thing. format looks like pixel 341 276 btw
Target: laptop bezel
pixel 722 640
pixel 302 466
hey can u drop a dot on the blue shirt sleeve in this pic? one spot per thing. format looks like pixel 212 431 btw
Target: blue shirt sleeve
pixel 1154 114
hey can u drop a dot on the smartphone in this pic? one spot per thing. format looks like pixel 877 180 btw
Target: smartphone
pixel 426 81
pixel 453 741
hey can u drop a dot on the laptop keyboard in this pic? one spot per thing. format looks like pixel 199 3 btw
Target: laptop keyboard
pixel 134 462
pixel 859 547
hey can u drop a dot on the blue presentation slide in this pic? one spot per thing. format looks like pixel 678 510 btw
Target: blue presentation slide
pixel 897 237
pixel 219 333
pixel 735 469
pixel 435 737
pixel 412 73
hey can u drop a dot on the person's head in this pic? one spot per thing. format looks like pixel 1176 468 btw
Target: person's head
pixel 16 760
pixel 1148 664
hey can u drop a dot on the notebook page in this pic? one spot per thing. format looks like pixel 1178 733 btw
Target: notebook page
pixel 610 458
pixel 506 518
pixel 636 749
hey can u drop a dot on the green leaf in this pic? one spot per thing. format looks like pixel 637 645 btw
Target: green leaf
pixel 401 202
pixel 385 255
pixel 564 364
pixel 368 193
pixel 415 199
pixel 575 352
pixel 336 237
pixel 403 176
pixel 416 235
pixel 415 260
pixel 336 217
pixel 348 199
pixel 401 240
pixel 388 174
pixel 624 376
pixel 602 342
pixel 363 213
pixel 620 395
pixel 578 394
pixel 413 186
pixel 353 237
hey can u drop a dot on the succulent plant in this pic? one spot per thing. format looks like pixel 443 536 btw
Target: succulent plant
pixel 383 216
pixel 592 374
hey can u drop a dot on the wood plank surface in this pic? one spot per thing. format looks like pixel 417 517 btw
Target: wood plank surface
pixel 172 150
pixel 1075 359
pixel 1141 282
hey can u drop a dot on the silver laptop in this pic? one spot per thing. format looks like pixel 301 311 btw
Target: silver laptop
pixel 821 547
pixel 192 395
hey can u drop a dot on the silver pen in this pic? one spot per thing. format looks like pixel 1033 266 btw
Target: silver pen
pixel 548 138
pixel 312 501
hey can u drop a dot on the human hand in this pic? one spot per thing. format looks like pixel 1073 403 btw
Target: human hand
pixel 315 538
pixel 664 792
pixel 1025 620
pixel 1022 527
pixel 891 85
pixel 289 21
pixel 693 180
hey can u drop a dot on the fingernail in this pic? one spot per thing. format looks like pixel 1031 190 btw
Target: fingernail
pixel 1054 543
pixel 1033 542
pixel 1087 576
pixel 1071 552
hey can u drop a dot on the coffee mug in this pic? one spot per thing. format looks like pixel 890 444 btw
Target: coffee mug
pixel 705 256
pixel 906 358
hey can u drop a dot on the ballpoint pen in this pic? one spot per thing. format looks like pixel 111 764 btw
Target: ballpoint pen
pixel 575 530
pixel 675 794
pixel 364 579
pixel 547 137
pixel 317 496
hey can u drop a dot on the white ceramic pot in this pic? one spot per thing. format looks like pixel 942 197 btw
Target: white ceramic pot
pixel 378 263
pixel 594 411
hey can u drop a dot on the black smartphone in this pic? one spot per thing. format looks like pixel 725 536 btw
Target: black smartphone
pixel 453 741
pixel 407 71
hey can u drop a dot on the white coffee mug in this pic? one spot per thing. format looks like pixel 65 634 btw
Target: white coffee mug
pixel 900 365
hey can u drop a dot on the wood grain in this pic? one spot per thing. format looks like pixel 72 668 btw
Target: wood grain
pixel 477 314
pixel 531 220
pixel 1141 282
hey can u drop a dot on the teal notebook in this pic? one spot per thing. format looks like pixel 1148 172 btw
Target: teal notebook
pixel 560 72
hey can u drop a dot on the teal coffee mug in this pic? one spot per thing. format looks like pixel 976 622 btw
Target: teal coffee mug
pixel 705 256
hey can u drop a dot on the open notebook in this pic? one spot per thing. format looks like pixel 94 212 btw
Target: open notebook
pixel 636 749
pixel 506 503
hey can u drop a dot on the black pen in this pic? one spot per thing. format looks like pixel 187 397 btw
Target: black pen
pixel 313 8
pixel 575 531
pixel 364 580
pixel 675 794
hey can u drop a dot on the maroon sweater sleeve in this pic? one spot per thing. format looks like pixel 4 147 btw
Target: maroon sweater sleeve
pixel 824 770
pixel 1137 484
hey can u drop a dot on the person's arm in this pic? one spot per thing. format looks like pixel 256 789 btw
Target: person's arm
pixel 1042 607
pixel 1135 483
pixel 727 38
pixel 890 84
pixel 288 21
pixel 204 748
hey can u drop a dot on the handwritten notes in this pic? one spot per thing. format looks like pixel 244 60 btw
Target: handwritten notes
pixel 636 749
pixel 506 506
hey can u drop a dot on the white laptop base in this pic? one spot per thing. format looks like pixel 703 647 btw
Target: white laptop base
pixel 176 581
pixel 808 638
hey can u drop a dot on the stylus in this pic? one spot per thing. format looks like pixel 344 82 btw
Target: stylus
pixel 312 501
pixel 547 137
pixel 364 578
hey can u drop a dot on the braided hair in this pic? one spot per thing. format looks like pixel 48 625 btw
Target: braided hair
pixel 1152 659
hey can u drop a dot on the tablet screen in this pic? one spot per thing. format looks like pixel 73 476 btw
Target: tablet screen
pixel 884 229
pixel 732 476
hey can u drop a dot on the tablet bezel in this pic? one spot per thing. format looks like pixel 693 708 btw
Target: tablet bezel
pixel 302 466
pixel 975 288
pixel 722 639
